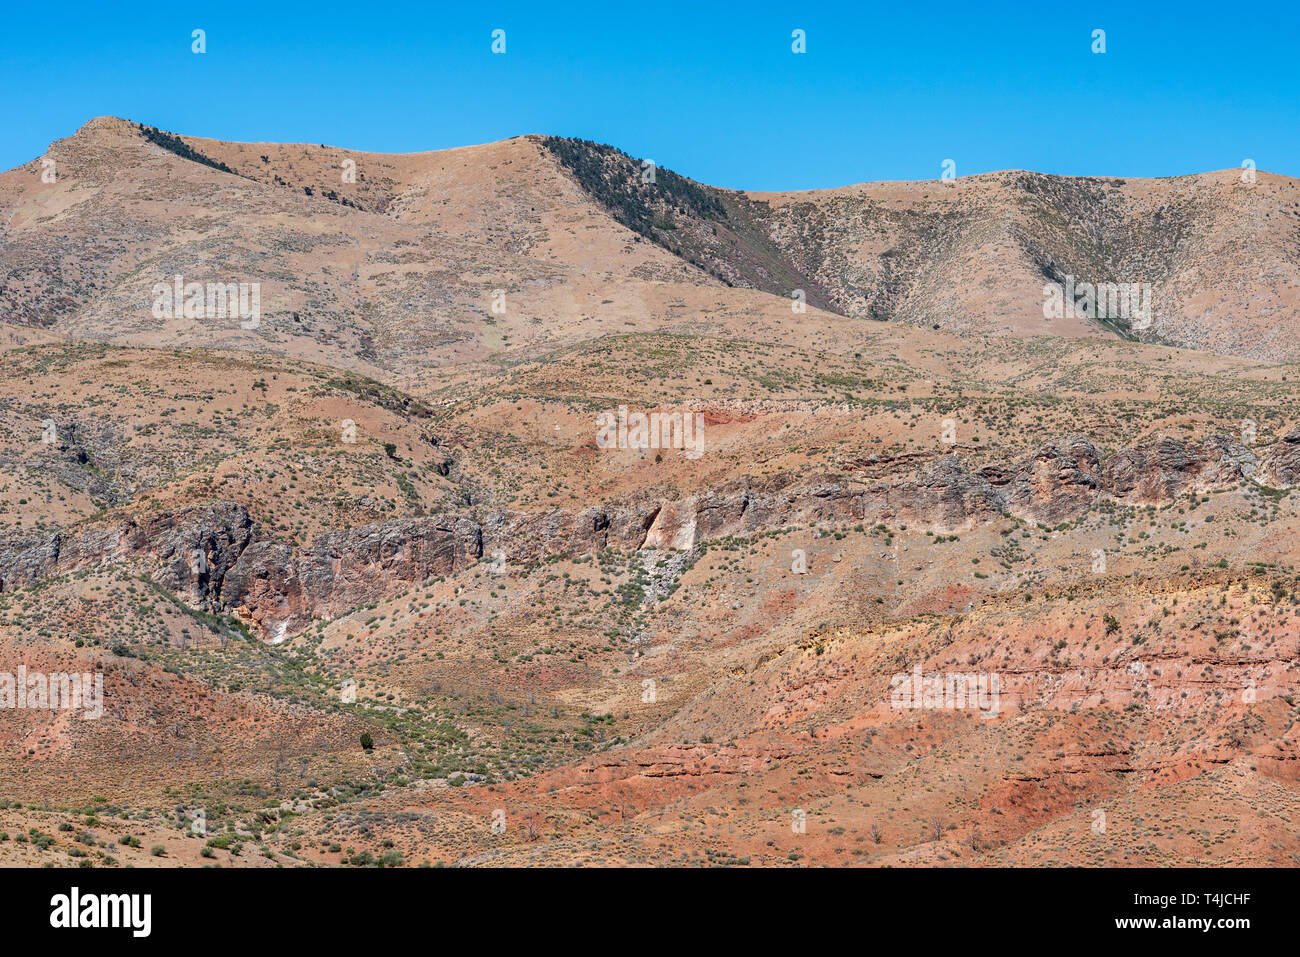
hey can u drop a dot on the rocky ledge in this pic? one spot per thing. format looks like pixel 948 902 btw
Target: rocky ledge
pixel 215 556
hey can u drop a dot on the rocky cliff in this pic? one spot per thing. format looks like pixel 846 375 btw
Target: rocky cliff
pixel 216 558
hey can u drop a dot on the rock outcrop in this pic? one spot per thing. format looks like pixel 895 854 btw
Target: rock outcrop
pixel 215 556
pixel 1281 466
pixel 282 590
pixel 1057 483
pixel 1161 469
pixel 945 494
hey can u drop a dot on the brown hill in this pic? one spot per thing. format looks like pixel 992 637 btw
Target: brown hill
pixel 365 586
pixel 397 269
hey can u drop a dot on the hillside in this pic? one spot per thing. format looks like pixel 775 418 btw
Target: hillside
pixel 397 270
pixel 365 585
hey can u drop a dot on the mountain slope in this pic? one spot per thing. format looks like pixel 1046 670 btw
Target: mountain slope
pixel 361 577
pixel 1222 256
pixel 399 267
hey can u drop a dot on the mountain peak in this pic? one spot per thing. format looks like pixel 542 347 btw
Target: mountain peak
pixel 102 128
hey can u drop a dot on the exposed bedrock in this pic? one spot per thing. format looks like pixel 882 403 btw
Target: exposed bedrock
pixel 215 556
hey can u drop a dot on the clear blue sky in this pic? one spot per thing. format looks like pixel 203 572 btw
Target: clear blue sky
pixel 885 91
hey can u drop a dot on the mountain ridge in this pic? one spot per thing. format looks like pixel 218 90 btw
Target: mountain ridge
pixel 971 255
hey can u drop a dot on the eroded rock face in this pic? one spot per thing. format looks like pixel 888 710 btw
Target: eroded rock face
pixel 1059 482
pixel 25 559
pixel 189 551
pixel 1281 466
pixel 1159 470
pixel 281 590
pixel 945 495
pixel 264 587
pixel 193 550
pixel 674 527
pixel 214 556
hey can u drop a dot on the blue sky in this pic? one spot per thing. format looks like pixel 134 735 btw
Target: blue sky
pixel 885 91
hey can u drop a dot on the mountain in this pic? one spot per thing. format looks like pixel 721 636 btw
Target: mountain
pixel 384 576
pixel 397 269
